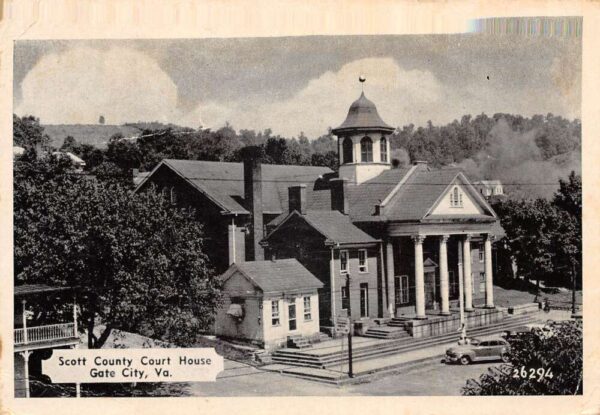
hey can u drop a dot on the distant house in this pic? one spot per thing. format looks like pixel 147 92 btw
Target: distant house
pixel 489 188
pixel 268 302
pixel 76 161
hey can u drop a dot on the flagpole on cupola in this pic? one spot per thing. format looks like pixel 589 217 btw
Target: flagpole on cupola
pixel 362 80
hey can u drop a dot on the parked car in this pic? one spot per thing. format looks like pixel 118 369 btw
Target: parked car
pixel 478 350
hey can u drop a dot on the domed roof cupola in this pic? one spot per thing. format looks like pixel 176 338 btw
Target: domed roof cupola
pixel 363 115
pixel 363 142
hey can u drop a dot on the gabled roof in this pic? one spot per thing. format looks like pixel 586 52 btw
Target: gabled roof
pixel 223 182
pixel 280 276
pixel 422 190
pixel 333 225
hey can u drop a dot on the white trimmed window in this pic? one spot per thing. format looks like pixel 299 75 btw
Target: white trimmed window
pixel 307 309
pixel 344 262
pixel 482 282
pixel 362 261
pixel 275 313
pixel 345 297
pixel 456 200
pixel 481 253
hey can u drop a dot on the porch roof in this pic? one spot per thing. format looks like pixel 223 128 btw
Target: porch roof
pixel 31 289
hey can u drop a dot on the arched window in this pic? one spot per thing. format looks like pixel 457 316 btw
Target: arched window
pixel 366 150
pixel 456 198
pixel 383 149
pixel 347 150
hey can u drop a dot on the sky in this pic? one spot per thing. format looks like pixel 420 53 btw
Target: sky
pixel 295 84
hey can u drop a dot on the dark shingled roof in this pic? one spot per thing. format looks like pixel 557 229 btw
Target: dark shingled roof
pixel 28 289
pixel 282 275
pixel 333 225
pixel 363 114
pixel 419 193
pixel 224 182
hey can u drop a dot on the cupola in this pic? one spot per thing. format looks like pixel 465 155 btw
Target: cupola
pixel 363 142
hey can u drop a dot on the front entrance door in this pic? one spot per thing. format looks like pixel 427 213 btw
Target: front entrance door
pixel 292 316
pixel 429 289
pixel 364 300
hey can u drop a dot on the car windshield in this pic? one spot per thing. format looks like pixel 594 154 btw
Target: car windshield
pixel 475 342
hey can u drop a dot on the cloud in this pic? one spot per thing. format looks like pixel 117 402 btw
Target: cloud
pixel 401 96
pixel 80 84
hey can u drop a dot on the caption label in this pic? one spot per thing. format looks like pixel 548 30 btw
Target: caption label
pixel 133 365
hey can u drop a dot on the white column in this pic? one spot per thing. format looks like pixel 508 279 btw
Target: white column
pixel 489 281
pixel 419 277
pixel 461 290
pixel 389 262
pixel 444 280
pixel 24 318
pixel 467 273
pixel 26 372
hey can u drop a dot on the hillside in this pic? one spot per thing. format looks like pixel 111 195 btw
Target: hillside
pixel 94 134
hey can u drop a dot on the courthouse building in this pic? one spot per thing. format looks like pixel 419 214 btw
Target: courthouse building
pixel 384 241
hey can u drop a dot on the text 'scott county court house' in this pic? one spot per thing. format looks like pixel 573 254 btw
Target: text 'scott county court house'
pixel 405 236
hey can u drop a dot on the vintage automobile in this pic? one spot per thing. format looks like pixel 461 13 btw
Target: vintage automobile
pixel 478 350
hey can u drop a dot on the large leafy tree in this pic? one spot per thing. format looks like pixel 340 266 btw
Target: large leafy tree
pixel 557 351
pixel 544 236
pixel 139 261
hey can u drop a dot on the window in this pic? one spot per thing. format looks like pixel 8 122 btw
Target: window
pixel 165 194
pixel 482 282
pixel 345 298
pixel 456 198
pixel 275 313
pixel 481 253
pixel 343 262
pixel 383 149
pixel 402 295
pixel 362 260
pixel 307 309
pixel 173 196
pixel 347 151
pixel 366 150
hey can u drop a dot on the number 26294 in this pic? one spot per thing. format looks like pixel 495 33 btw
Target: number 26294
pixel 533 373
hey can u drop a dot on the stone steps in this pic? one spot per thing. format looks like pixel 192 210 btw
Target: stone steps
pixel 405 344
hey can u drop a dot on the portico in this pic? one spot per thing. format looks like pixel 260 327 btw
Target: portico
pixel 423 270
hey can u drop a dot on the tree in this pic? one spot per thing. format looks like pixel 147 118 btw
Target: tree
pixel 544 237
pixel 558 350
pixel 28 133
pixel 139 260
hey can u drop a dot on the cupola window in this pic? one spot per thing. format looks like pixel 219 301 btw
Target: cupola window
pixel 347 151
pixel 383 150
pixel 366 150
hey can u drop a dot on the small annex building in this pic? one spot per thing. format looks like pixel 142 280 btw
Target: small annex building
pixel 267 302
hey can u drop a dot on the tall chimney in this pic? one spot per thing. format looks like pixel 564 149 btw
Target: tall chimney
pixel 339 195
pixel 297 198
pixel 252 156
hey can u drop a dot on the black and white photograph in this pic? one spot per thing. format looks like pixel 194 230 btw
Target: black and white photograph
pixel 330 215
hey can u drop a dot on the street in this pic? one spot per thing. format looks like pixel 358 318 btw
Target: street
pixel 242 380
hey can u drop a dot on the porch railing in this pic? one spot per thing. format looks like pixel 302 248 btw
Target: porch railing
pixel 42 334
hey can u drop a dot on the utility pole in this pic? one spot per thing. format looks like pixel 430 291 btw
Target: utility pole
pixel 350 373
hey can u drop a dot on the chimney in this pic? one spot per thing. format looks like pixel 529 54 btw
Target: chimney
pixel 339 195
pixel 297 198
pixel 252 156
